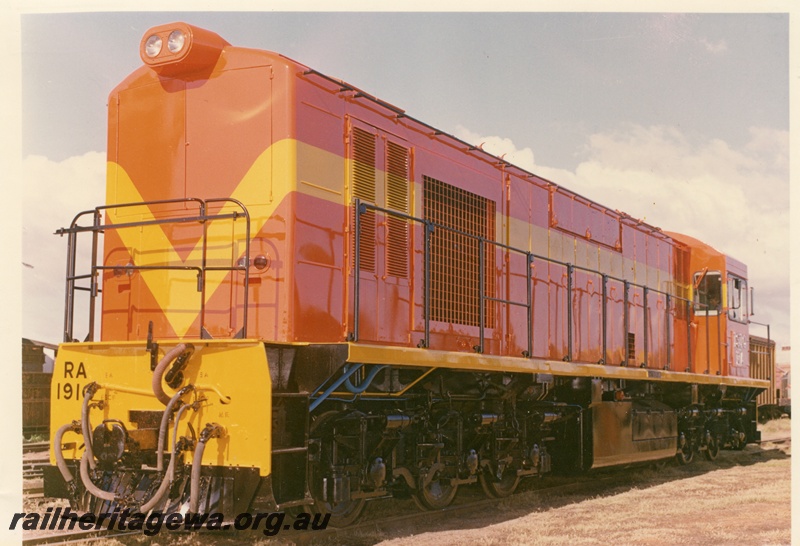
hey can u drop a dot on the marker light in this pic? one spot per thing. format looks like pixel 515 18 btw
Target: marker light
pixel 152 47
pixel 175 41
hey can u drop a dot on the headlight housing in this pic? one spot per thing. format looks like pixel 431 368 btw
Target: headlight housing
pixel 179 48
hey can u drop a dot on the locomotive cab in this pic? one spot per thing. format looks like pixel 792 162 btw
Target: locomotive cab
pixel 721 311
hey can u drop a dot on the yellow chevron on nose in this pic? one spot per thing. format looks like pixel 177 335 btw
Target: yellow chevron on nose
pixel 262 188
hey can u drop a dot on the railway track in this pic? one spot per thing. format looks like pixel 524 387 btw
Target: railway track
pixel 470 501
pixel 410 520
pixel 78 537
pixel 786 440
pixel 32 447
pixel 35 458
pixel 33 470
pixel 33 467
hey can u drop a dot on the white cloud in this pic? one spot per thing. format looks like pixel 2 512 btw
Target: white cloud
pixel 735 199
pixel 716 48
pixel 53 193
pixel 499 146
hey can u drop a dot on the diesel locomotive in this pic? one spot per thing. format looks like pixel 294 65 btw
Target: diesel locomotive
pixel 299 296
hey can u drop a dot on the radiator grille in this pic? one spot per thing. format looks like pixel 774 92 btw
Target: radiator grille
pixel 397 199
pixel 363 187
pixel 454 253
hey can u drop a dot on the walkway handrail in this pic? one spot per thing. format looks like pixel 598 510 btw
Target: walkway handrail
pixel 362 207
pixel 97 227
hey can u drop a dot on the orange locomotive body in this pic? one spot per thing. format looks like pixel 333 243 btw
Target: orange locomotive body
pixel 420 314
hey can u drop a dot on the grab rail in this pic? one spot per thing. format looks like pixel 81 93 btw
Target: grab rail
pixel 97 227
pixel 429 227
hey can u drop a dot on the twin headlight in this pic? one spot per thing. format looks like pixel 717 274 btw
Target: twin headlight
pixel 155 43
pixel 179 48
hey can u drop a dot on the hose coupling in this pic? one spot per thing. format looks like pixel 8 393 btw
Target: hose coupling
pixel 91 389
pixel 211 430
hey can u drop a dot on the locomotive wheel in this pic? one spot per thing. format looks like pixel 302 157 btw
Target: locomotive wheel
pixel 342 513
pixel 685 454
pixel 498 489
pixel 712 449
pixel 436 494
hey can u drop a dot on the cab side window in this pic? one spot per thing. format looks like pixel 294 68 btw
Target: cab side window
pixel 707 293
pixel 737 298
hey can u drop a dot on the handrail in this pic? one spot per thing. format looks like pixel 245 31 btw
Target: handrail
pixel 97 227
pixel 429 226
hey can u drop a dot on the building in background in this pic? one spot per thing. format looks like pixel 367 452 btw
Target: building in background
pixel 37 370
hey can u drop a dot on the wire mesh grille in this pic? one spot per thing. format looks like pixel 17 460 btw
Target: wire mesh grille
pixel 455 274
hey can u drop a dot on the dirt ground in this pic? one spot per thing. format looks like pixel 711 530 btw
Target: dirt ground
pixel 742 498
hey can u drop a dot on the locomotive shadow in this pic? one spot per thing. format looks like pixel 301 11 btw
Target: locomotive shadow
pixel 547 494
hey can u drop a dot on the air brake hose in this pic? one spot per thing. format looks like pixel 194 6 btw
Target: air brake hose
pixel 195 406
pixel 86 426
pixel 89 485
pixel 169 475
pixel 162 429
pixel 163 486
pixel 212 430
pixel 158 374
pixel 60 462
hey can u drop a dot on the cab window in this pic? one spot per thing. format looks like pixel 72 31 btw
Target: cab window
pixel 707 293
pixel 737 298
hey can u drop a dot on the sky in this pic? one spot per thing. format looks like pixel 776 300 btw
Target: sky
pixel 680 119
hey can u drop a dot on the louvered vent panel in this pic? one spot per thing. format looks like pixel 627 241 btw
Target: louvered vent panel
pixel 454 255
pixel 363 184
pixel 397 199
pixel 631 349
